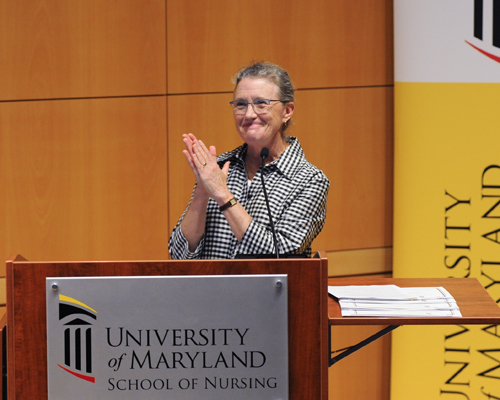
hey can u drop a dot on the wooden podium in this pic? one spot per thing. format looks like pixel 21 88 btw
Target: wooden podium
pixel 307 314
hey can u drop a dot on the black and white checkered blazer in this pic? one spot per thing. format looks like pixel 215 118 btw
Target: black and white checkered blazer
pixel 297 192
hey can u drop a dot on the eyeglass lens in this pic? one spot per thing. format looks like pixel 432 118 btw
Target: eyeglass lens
pixel 260 106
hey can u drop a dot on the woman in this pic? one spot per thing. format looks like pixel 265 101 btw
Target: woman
pixel 227 214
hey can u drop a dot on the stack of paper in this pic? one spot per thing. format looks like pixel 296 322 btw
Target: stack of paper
pixel 393 301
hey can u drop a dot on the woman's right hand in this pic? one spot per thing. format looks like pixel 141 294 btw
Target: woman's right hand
pixel 189 141
pixel 210 177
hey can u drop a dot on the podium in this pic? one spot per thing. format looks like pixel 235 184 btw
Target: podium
pixel 26 344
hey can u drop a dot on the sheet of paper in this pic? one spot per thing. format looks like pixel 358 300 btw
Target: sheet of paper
pixel 399 313
pixel 378 301
pixel 368 292
pixel 397 305
pixel 393 301
pixel 427 293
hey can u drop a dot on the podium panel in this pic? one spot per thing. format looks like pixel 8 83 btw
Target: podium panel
pixel 307 314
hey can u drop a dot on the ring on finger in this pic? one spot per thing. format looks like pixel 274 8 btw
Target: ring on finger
pixel 204 164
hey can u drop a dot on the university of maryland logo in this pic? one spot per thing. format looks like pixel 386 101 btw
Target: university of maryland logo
pixel 77 319
pixel 487 29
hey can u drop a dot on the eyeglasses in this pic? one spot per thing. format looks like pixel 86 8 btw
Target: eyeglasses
pixel 260 106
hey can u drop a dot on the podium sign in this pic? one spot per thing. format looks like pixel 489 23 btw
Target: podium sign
pixel 179 337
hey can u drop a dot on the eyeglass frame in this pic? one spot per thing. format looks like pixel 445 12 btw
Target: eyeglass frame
pixel 253 106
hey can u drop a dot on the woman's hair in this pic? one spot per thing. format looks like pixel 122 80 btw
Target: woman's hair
pixel 273 72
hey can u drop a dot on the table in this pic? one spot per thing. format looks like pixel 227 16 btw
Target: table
pixel 476 306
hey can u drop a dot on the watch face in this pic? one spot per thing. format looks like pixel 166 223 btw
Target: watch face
pixel 233 202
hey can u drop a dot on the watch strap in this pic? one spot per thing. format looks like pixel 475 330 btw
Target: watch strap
pixel 229 204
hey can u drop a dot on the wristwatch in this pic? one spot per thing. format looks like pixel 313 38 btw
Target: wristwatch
pixel 229 204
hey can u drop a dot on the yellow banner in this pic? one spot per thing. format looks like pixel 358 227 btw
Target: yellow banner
pixel 447 224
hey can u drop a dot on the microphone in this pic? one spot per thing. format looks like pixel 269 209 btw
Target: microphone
pixel 264 153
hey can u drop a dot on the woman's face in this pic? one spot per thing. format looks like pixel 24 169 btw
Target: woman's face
pixel 260 129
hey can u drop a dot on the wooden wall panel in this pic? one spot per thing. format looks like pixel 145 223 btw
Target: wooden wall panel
pixel 364 374
pixel 84 179
pixel 66 48
pixel 360 262
pixel 348 133
pixel 322 43
pixel 101 179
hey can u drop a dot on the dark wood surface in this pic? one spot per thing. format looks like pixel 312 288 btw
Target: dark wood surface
pixel 476 305
pixel 307 314
pixel 3 337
